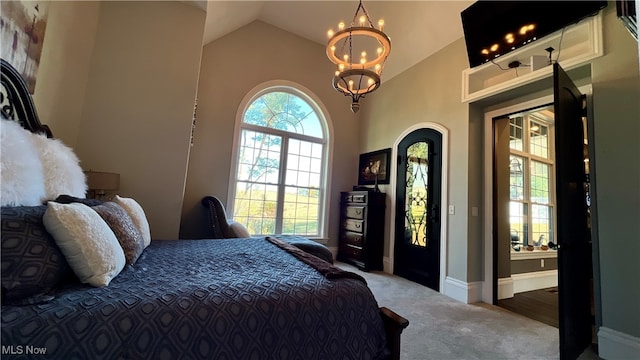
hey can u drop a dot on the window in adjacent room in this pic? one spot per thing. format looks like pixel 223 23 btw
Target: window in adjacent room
pixel 278 185
pixel 531 187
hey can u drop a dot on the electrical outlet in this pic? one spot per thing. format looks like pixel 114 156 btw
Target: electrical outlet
pixel 452 210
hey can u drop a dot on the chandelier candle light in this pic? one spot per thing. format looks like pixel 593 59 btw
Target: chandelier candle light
pixel 360 52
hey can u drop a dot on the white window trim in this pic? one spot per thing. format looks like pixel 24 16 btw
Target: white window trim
pixel 326 122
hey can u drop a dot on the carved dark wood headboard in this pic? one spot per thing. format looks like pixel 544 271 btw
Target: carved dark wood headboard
pixel 16 103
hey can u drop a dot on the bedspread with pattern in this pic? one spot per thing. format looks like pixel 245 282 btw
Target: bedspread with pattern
pixel 204 299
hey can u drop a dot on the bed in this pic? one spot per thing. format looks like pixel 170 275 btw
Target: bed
pixel 250 298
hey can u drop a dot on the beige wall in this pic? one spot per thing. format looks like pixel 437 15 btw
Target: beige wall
pixel 64 69
pixel 139 103
pixel 231 67
pixel 118 83
pixel 428 92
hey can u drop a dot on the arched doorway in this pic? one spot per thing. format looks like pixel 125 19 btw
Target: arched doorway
pixel 431 140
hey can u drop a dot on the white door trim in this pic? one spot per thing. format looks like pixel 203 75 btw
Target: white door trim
pixel 487 286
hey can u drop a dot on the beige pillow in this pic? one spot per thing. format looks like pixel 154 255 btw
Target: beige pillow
pixel 124 229
pixel 136 213
pixel 87 242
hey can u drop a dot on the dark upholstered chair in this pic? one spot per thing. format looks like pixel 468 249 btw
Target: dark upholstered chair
pixel 222 227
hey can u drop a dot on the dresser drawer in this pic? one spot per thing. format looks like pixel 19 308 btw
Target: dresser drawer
pixel 354 225
pixel 359 198
pixel 354 212
pixel 351 252
pixel 346 198
pixel 351 238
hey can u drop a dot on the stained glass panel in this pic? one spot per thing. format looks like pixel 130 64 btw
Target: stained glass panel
pixel 417 201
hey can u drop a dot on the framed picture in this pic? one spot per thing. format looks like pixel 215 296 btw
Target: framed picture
pixel 375 164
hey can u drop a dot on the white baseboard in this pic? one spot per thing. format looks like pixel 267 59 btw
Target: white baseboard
pixel 475 292
pixel 386 265
pixel 462 291
pixel 505 288
pixel 614 344
pixel 334 251
pixel 534 280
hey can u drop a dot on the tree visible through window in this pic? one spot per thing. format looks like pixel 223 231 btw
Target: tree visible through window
pixel 281 166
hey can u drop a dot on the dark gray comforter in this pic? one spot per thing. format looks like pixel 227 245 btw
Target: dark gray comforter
pixel 204 299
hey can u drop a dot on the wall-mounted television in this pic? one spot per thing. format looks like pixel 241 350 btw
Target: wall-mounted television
pixel 494 28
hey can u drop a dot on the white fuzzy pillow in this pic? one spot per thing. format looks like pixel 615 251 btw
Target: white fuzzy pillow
pixel 136 213
pixel 61 167
pixel 21 174
pixel 87 242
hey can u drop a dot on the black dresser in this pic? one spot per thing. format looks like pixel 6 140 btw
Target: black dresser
pixel 361 238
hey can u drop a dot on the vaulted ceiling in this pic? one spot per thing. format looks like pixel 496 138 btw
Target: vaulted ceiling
pixel 417 28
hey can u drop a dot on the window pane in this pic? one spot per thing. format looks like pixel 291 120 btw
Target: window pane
pixel 539 139
pixel 316 151
pixel 259 157
pixel 300 211
pixel 255 206
pixel 539 183
pixel 541 224
pixel 515 133
pixel 314 180
pixel 518 224
pixel 284 111
pixel 303 167
pixel 516 177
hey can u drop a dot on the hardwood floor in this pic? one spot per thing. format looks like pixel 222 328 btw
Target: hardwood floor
pixel 540 305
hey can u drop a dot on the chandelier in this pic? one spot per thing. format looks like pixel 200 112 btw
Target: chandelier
pixel 360 51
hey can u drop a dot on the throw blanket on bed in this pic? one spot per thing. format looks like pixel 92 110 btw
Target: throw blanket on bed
pixel 329 271
pixel 205 299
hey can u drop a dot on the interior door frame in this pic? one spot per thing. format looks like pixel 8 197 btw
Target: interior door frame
pixel 388 268
pixel 488 282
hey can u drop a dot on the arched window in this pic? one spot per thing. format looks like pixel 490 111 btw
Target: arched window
pixel 279 182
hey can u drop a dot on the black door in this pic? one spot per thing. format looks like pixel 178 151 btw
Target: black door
pixel 574 249
pixel 417 223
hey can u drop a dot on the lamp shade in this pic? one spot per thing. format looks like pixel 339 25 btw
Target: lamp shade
pixel 102 180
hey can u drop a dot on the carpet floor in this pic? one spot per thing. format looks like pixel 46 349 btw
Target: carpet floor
pixel 441 328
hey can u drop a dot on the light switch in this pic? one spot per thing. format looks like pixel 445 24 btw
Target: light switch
pixel 452 210
pixel 474 211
